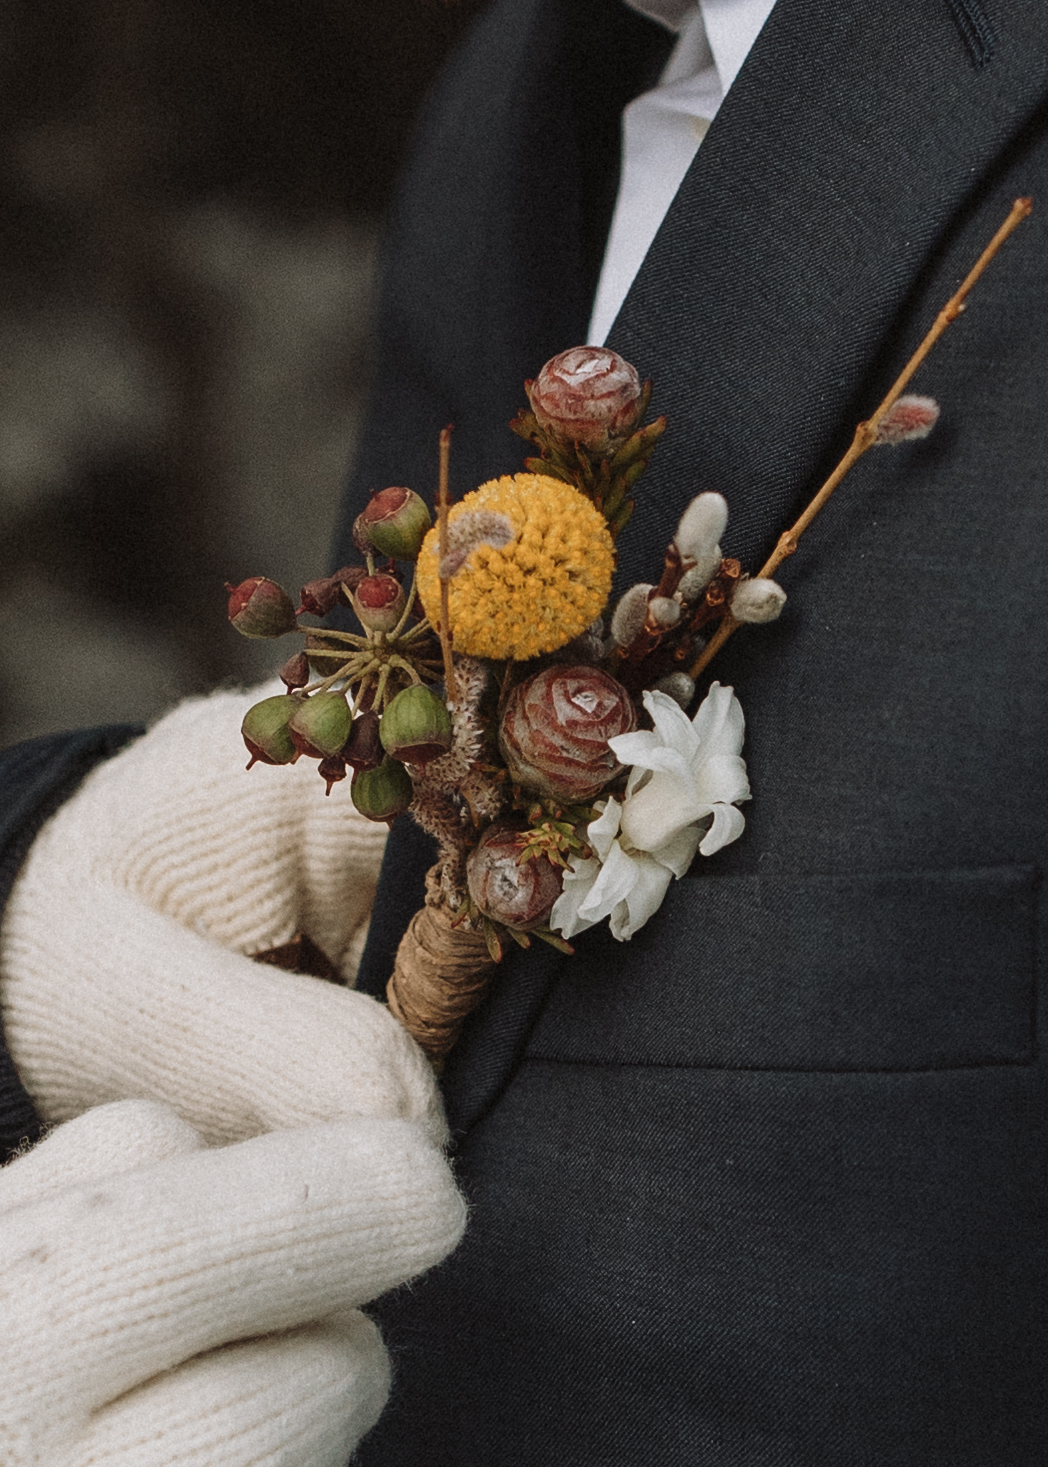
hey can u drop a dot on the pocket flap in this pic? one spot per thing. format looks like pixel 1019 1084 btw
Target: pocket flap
pixel 920 970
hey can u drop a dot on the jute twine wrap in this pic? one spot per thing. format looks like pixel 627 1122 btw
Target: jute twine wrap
pixel 440 975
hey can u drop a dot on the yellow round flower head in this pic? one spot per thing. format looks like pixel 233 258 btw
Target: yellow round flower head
pixel 539 590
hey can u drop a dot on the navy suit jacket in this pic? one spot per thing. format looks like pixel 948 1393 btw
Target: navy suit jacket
pixel 765 1187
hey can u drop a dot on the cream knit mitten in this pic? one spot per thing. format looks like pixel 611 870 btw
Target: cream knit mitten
pixel 177 1285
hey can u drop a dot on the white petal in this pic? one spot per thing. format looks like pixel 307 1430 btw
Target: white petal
pixel 644 898
pixel 601 833
pixel 636 748
pixel 722 780
pixel 719 725
pixel 728 825
pixel 617 876
pixel 672 724
pixel 677 854
pixel 578 883
pixel 663 761
pixel 654 815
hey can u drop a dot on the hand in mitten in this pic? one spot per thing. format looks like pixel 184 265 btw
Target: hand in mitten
pixel 169 1305
pixel 121 951
pixel 165 1303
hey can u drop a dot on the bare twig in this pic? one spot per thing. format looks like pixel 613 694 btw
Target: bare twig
pixel 866 432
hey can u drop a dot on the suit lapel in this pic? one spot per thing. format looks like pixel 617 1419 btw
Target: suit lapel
pixel 851 144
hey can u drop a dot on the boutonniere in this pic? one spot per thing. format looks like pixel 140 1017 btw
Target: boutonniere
pixel 540 734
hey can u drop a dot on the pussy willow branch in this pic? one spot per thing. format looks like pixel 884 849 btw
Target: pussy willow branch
pixel 866 432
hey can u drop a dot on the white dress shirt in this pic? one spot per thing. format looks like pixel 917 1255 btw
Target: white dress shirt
pixel 662 130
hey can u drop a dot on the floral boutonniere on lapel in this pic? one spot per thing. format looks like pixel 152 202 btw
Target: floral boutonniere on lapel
pixel 542 735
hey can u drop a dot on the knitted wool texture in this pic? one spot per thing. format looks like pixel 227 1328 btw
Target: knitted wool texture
pixel 121 967
pixel 124 1289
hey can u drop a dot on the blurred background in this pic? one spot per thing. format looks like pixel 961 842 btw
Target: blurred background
pixel 192 197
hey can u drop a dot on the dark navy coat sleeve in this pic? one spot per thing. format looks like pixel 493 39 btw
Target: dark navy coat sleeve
pixel 35 778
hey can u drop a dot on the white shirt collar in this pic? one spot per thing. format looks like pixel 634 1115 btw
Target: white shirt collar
pixel 732 26
pixel 662 130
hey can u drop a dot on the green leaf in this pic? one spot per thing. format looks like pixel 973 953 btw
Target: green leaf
pixel 491 938
pixel 553 940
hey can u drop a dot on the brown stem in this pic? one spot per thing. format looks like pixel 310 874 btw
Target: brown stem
pixel 866 433
pixel 442 550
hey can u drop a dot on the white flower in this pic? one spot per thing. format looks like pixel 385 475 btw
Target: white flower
pixel 687 777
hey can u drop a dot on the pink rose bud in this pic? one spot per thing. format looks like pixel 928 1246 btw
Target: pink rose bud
pixel 265 730
pixel 555 731
pixel 321 724
pixel 519 895
pixel 379 602
pixel 587 395
pixel 258 607
pixel 394 523
pixel 910 417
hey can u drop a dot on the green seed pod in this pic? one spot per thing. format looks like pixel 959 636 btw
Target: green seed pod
pixel 266 733
pixel 321 724
pixel 258 607
pixel 382 793
pixel 416 727
pixel 395 523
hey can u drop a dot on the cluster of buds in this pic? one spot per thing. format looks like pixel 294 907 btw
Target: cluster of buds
pixel 587 405
pixel 369 709
pixel 656 630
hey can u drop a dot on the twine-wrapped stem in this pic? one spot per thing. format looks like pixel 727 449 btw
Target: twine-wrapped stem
pixel 440 975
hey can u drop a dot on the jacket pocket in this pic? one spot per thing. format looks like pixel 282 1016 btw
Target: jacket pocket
pixel 911 971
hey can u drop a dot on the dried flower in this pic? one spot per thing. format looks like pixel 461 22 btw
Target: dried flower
pixel 908 418
pixel 394 523
pixel 416 727
pixel 322 595
pixel 258 607
pixel 541 589
pixel 587 395
pixel 758 600
pixel 265 730
pixel 379 602
pixel 556 727
pixel 518 895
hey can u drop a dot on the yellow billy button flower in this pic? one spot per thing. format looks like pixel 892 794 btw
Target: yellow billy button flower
pixel 538 591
